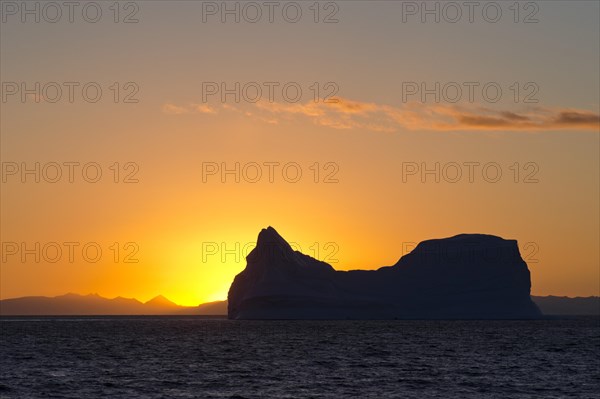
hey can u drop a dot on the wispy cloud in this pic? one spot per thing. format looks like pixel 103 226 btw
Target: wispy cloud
pixel 534 119
pixel 173 109
pixel 347 114
pixel 204 108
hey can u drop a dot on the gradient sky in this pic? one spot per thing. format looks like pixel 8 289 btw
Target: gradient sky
pixel 371 215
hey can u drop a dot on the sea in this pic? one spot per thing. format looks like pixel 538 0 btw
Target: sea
pixel 207 357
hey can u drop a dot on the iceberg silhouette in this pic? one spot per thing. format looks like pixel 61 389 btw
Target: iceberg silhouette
pixel 468 276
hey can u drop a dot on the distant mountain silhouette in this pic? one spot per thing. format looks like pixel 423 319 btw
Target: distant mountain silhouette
pixel 93 304
pixel 562 305
pixel 216 308
pixel 548 305
pixel 162 304
pixel 469 276
pixel 34 306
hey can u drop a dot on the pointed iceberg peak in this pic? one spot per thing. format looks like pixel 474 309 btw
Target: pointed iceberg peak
pixel 269 238
pixel 270 248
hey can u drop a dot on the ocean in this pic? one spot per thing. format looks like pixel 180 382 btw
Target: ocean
pixel 203 357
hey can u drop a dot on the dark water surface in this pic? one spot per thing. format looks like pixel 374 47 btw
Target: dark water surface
pixel 191 357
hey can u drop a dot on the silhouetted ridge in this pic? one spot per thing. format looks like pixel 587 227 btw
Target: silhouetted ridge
pixel 463 248
pixel 272 250
pixel 270 245
pixel 160 301
pixel 270 237
pixel 465 276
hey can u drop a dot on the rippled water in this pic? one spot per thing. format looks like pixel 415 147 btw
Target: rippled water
pixel 157 357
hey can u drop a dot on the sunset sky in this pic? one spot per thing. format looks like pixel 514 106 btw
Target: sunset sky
pixel 363 209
